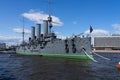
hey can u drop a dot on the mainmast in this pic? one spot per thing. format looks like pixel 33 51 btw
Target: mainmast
pixel 49 17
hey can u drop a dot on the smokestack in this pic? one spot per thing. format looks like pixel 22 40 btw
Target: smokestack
pixel 38 31
pixel 45 28
pixel 33 33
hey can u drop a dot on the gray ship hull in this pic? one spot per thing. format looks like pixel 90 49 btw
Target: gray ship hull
pixel 60 49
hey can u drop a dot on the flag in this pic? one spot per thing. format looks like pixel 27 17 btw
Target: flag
pixel 91 29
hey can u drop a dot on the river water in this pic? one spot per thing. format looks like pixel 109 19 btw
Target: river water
pixel 18 67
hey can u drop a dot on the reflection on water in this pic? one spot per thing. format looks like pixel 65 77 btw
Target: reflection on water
pixel 17 67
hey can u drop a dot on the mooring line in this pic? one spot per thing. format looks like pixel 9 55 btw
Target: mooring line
pixel 89 56
pixel 98 61
pixel 101 56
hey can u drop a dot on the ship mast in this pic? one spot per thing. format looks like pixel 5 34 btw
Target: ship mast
pixel 23 32
pixel 49 17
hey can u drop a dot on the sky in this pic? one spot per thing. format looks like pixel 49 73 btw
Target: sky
pixel 73 16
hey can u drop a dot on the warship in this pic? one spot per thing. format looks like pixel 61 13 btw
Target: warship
pixel 47 44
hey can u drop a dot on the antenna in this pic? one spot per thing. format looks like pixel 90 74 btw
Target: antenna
pixel 49 7
pixel 49 17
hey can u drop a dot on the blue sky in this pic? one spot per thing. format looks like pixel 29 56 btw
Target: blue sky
pixel 75 16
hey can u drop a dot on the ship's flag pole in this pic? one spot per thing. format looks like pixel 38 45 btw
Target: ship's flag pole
pixel 91 29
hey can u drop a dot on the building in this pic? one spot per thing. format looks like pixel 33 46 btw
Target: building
pixel 107 43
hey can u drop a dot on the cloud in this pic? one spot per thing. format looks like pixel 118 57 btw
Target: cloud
pixel 38 17
pixel 116 26
pixel 14 40
pixel 10 40
pixel 20 30
pixel 60 35
pixel 98 32
pixel 74 22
